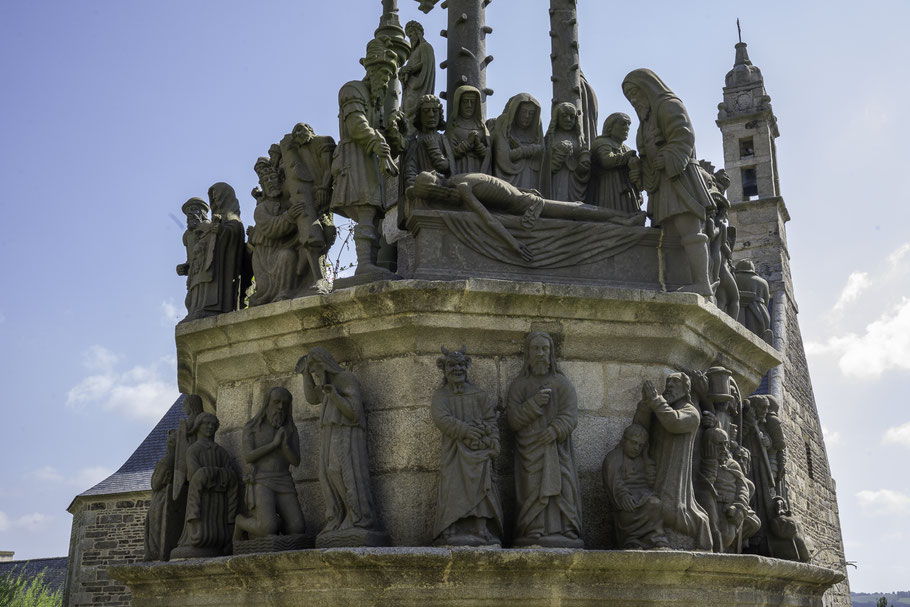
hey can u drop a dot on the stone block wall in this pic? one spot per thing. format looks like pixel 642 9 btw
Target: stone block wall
pixel 107 530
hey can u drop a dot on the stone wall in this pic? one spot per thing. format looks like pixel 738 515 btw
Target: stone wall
pixel 107 530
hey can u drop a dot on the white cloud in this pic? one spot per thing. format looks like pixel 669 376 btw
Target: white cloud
pixel 884 501
pixel 141 392
pixel 884 345
pixel 857 283
pixel 86 477
pixel 898 435
pixel 897 255
pixel 34 521
pixel 832 439
pixel 170 313
pixel 49 474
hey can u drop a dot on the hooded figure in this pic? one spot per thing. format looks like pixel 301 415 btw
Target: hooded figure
pixel 567 160
pixel 677 194
pixel 467 133
pixel 518 143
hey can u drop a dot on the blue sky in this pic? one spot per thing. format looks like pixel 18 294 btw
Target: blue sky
pixel 114 113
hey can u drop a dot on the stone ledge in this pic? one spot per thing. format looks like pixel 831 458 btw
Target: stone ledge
pixel 478 577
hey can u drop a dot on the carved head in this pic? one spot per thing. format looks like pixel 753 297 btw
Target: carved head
pixel 414 30
pixel 454 365
pixel 270 177
pixel 525 115
pixel 566 116
pixel 744 266
pixel 278 406
pixel 320 360
pixel 634 440
pixel 192 406
pixel 468 103
pixel 381 64
pixel 540 354
pixel 616 126
pixel 223 200
pixel 677 387
pixel 428 116
pixel 302 133
pixel 645 90
pixel 196 212
pixel 205 425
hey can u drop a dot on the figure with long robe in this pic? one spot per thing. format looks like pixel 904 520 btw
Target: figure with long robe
pixel 542 410
pixel 428 149
pixel 344 473
pixel 755 297
pixel 518 145
pixel 467 133
pixel 567 160
pixel 673 421
pixel 678 198
pixel 615 167
pixel 629 474
pixel 211 503
pixel 164 520
pixel 418 74
pixel 199 242
pixel 468 512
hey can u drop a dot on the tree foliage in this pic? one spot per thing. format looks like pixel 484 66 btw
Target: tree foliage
pixel 19 591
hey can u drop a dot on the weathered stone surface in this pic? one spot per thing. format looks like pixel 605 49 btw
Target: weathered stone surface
pixel 478 578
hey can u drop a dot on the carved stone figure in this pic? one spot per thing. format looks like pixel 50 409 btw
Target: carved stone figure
pixel 468 512
pixel 343 460
pixel 787 538
pixel 543 411
pixel 616 168
pixel 217 268
pixel 428 150
pixel 186 436
pixel 754 297
pixel 673 421
pixel 467 133
pixel 211 502
pixel 567 161
pixel 677 195
pixel 518 143
pixel 418 74
pixel 369 142
pixel 629 474
pixel 271 445
pixel 721 238
pixel 275 239
pixel 484 193
pixel 165 516
pixel 306 161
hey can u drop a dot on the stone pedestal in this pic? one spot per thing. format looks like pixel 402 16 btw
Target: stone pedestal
pixel 467 577
pixel 609 340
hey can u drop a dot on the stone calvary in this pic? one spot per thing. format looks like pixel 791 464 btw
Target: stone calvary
pixel 621 374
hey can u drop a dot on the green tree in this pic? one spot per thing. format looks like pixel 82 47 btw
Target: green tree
pixel 18 591
pixel 882 602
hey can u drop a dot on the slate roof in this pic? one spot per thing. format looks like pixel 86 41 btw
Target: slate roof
pixel 54 570
pixel 136 473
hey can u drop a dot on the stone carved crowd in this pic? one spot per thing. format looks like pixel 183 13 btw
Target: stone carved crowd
pixel 699 467
pixel 492 169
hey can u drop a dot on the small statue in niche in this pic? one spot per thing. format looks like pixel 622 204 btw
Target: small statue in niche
pixel 467 133
pixel 305 161
pixel 418 74
pixel 468 512
pixel 343 459
pixel 164 521
pixel 567 161
pixel 364 158
pixel 678 199
pixel 211 503
pixel 543 411
pixel 673 421
pixel 616 168
pixel 429 149
pixel 518 145
pixel 271 445
pixel 754 297
pixel 629 474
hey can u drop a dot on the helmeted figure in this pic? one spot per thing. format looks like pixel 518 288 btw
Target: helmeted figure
pixel 677 196
pixel 199 242
pixel 755 297
pixel 468 512
pixel 629 474
pixel 467 133
pixel 211 502
pixel 369 142
pixel 518 144
pixel 615 168
pixel 343 460
pixel 543 411
pixel 567 160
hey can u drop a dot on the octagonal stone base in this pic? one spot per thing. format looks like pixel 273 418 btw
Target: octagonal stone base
pixel 468 577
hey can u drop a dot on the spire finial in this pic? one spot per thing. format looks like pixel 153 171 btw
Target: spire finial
pixel 739 30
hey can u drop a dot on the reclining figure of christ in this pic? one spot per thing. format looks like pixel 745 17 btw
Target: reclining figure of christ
pixel 482 193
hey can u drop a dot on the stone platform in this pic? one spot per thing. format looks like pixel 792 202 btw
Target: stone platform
pixel 465 577
pixel 609 340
